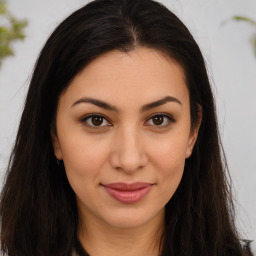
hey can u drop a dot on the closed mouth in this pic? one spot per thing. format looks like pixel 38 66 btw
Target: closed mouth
pixel 128 193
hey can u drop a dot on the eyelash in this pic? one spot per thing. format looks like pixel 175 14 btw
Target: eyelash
pixel 169 120
pixel 90 116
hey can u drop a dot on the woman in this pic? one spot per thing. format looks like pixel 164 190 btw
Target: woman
pixel 118 151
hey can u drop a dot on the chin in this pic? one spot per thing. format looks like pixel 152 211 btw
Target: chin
pixel 131 218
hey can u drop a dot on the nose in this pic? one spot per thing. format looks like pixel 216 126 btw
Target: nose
pixel 127 150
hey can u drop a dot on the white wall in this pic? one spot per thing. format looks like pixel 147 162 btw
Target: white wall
pixel 231 64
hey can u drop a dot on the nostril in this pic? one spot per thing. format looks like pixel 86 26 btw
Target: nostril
pixel 128 162
pixel 127 150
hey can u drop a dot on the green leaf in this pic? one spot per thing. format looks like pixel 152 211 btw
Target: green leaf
pixel 9 33
pixel 2 8
pixel 254 44
pixel 5 51
pixel 241 18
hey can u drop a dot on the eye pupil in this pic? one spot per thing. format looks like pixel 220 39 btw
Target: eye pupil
pixel 97 120
pixel 158 120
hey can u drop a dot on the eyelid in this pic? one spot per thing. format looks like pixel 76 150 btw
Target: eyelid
pixel 165 115
pixel 88 116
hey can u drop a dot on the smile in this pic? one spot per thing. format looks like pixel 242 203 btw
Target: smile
pixel 128 193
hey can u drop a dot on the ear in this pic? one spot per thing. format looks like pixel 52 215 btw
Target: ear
pixel 56 146
pixel 194 133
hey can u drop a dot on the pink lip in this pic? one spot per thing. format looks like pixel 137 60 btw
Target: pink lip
pixel 128 193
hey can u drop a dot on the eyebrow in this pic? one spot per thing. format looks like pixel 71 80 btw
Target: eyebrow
pixel 159 103
pixel 144 108
pixel 96 102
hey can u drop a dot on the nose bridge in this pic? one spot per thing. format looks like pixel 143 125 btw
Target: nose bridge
pixel 128 152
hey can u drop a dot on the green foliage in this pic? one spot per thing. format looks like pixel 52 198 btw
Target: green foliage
pixel 10 32
pixel 252 22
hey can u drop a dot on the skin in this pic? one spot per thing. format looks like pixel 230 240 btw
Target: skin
pixel 128 146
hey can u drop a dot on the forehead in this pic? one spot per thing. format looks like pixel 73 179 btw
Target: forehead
pixel 139 75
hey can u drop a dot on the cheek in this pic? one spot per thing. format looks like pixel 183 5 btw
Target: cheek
pixel 168 159
pixel 169 152
pixel 83 156
pixel 83 160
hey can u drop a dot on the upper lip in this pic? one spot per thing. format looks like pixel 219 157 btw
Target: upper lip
pixel 127 187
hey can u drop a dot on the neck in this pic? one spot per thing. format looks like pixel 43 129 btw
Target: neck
pixel 99 238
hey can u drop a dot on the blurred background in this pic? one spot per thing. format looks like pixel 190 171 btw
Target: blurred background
pixel 228 45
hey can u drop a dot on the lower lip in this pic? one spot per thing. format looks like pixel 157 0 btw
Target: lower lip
pixel 128 197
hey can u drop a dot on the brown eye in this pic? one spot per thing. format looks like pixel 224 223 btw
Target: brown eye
pixel 95 120
pixel 160 120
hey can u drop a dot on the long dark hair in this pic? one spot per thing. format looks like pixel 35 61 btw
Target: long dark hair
pixel 38 207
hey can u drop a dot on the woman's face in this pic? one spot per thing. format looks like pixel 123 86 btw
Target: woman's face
pixel 123 133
